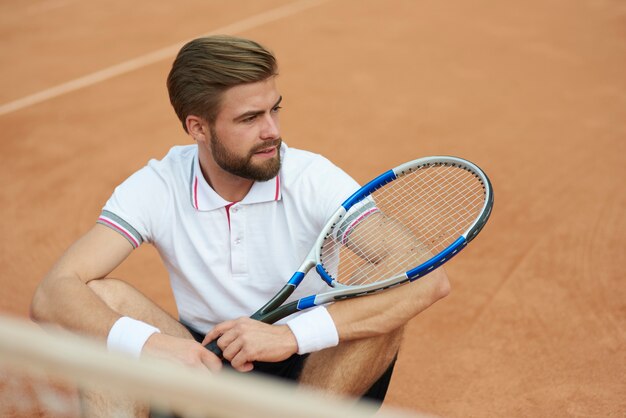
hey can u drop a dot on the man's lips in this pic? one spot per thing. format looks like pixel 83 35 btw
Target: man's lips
pixel 267 150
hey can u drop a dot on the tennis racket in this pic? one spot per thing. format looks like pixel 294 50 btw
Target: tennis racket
pixel 395 229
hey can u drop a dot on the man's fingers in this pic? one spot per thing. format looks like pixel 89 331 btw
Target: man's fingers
pixel 211 361
pixel 245 340
pixel 216 332
pixel 230 347
pixel 241 363
pixel 223 328
pixel 235 351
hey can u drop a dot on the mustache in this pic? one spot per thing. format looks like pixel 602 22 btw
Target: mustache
pixel 267 144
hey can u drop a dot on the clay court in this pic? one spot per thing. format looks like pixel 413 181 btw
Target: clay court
pixel 533 92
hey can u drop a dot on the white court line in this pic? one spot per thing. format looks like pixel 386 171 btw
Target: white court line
pixel 153 57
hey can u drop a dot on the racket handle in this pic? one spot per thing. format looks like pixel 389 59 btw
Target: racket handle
pixel 213 348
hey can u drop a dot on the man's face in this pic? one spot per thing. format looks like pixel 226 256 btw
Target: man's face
pixel 245 138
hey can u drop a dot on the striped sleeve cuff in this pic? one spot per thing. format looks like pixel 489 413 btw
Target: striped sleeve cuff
pixel 121 226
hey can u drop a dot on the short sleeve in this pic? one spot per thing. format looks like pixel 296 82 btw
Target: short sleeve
pixel 136 207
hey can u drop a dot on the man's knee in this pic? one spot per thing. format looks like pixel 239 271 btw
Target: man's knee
pixel 111 291
pixel 126 300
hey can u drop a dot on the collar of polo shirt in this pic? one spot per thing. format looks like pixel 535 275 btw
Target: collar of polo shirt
pixel 204 198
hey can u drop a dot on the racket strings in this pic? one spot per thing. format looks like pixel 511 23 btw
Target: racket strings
pixel 427 223
pixel 461 202
pixel 419 215
pixel 456 199
pixel 451 197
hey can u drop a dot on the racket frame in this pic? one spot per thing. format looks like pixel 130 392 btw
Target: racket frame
pixel 272 311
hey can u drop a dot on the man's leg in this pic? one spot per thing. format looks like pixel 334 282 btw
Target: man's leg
pixel 352 367
pixel 128 301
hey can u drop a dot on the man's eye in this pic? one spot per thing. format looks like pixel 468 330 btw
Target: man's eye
pixel 276 109
pixel 249 119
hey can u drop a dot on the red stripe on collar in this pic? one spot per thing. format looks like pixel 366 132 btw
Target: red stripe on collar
pixel 277 187
pixel 195 192
pixel 227 207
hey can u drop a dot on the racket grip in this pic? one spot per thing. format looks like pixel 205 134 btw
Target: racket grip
pixel 213 348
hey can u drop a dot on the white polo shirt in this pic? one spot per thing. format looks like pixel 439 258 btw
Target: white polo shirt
pixel 225 259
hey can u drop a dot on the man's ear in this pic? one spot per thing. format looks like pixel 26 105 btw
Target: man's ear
pixel 197 127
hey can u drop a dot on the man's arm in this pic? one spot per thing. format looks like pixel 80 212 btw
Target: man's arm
pixel 245 340
pixel 65 298
pixel 384 312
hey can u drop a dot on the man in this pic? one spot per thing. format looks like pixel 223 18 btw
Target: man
pixel 232 217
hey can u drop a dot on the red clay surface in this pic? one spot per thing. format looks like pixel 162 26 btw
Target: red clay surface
pixel 534 92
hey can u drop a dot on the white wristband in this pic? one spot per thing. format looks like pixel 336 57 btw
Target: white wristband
pixel 314 330
pixel 129 335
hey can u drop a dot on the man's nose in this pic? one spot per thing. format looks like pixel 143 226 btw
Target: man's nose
pixel 270 128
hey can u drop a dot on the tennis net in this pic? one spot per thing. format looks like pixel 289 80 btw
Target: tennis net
pixel 44 372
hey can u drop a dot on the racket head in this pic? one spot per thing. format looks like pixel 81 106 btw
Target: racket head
pixel 404 223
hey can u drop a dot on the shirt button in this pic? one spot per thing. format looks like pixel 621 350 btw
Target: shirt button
pixel 234 210
pixel 237 241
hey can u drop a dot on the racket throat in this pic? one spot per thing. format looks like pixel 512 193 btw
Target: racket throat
pixel 281 296
pixel 276 315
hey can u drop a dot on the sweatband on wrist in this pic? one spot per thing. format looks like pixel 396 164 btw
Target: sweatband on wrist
pixel 314 330
pixel 129 335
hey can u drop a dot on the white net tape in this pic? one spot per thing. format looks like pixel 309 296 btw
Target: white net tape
pixel 43 372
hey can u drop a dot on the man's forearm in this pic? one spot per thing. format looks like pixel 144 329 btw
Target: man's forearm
pixel 68 302
pixel 384 312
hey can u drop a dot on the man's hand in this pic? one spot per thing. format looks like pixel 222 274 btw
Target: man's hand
pixel 245 340
pixel 181 350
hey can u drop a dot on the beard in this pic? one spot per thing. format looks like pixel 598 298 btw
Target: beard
pixel 244 166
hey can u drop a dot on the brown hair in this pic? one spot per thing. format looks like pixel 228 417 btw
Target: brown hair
pixel 205 67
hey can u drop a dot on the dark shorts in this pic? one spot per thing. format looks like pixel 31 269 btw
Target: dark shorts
pixel 291 368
